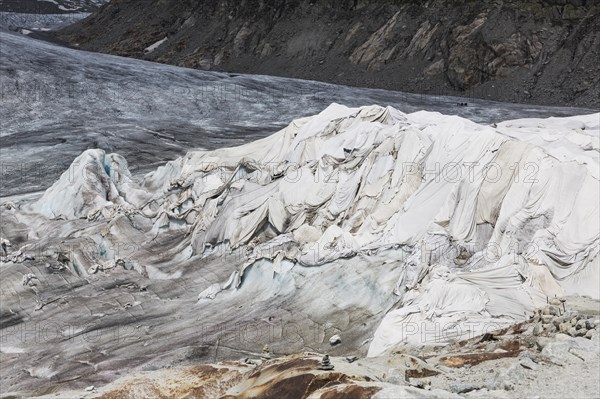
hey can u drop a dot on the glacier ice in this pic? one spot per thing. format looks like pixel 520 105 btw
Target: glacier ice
pixel 485 222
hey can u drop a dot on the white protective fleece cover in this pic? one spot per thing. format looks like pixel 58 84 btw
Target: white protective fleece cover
pixel 493 219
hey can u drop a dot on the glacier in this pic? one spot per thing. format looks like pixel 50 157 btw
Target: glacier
pixel 155 216
pixel 483 223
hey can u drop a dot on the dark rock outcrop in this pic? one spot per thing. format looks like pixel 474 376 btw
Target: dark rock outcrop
pixel 544 51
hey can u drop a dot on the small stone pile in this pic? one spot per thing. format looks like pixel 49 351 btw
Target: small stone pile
pixel 325 364
pixel 266 353
pixel 555 318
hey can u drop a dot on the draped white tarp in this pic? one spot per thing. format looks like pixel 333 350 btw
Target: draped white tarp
pixel 494 218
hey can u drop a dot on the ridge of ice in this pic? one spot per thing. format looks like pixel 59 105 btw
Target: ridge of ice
pixel 494 219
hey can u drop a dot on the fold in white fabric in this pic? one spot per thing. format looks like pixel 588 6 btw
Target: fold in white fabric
pixel 494 218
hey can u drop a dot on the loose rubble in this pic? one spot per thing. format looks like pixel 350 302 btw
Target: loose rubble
pixel 556 318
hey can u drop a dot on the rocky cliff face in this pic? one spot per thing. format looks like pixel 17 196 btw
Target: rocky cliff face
pixel 545 51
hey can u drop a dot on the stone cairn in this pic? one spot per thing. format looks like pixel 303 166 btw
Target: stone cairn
pixel 266 352
pixel 554 317
pixel 325 364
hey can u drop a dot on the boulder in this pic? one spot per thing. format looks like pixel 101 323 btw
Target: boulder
pixel 564 328
pixel 506 378
pixel 557 321
pixel 527 363
pixel 589 324
pixel 463 387
pixel 551 310
pixel 581 332
pixel 541 342
pixel 590 334
pixel 335 339
pixel 547 319
pixel 556 302
pixel 550 328
pixel 564 349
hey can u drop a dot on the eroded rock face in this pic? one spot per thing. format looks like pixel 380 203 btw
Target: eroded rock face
pixel 203 381
pixel 473 60
pixel 291 377
pixel 544 52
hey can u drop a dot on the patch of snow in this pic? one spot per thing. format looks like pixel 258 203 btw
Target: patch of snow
pixel 153 47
